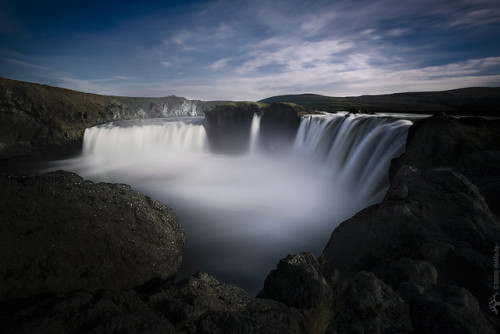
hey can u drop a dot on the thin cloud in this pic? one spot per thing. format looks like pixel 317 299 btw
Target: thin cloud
pixel 218 64
pixel 27 64
pixel 292 56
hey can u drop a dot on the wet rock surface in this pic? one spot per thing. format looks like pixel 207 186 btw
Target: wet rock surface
pixel 60 233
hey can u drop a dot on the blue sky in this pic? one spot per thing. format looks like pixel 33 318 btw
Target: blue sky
pixel 249 50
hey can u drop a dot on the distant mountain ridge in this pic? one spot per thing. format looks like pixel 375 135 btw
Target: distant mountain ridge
pixel 473 101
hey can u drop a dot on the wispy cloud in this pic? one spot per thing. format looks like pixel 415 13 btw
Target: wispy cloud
pixel 26 64
pixel 249 50
pixel 218 64
pixel 292 56
pixel 123 77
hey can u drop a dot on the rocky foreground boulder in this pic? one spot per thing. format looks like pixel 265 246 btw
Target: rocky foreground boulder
pixel 59 233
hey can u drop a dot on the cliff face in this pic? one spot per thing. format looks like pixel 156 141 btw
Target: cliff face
pixel 278 128
pixel 37 119
pixel 228 126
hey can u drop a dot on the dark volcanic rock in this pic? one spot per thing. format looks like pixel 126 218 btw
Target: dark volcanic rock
pixel 297 282
pixel 228 127
pixel 483 169
pixel 278 127
pixel 442 141
pixel 431 240
pixel 368 305
pixel 59 233
pixel 469 145
pixel 202 304
pixel 107 311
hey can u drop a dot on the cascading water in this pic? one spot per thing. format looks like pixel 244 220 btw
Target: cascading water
pixel 145 136
pixel 243 213
pixel 254 133
pixel 356 149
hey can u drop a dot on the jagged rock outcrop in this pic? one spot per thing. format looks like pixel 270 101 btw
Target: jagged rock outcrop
pixel 469 145
pixel 228 127
pixel 278 127
pixel 420 261
pixel 37 119
pixel 106 311
pixel 367 305
pixel 431 241
pixel 59 233
pixel 199 304
pixel 482 169
pixel 442 141
pixel 297 282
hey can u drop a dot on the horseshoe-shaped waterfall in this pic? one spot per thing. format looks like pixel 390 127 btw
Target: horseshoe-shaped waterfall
pixel 242 213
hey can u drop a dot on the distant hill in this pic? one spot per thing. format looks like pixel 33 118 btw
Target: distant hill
pixel 465 101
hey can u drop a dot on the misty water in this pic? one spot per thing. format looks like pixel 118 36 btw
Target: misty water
pixel 242 213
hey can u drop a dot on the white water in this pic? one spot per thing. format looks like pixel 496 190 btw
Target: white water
pixel 254 133
pixel 243 213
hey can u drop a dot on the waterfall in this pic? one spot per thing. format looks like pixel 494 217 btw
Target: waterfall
pixel 145 136
pixel 256 207
pixel 254 133
pixel 357 149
